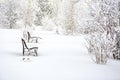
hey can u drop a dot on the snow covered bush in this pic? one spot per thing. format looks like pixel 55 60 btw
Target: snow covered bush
pixel 116 46
pixel 101 46
pixel 102 40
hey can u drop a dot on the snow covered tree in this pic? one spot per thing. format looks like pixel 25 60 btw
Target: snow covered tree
pixel 27 16
pixel 28 13
pixel 119 11
pixel 69 17
pixel 105 21
pixel 8 12
pixel 81 17
pixel 44 9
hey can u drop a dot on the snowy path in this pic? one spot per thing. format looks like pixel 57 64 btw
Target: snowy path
pixel 59 58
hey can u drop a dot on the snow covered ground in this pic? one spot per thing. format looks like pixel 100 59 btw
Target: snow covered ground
pixel 59 58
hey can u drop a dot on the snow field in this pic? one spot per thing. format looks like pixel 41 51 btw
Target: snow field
pixel 59 58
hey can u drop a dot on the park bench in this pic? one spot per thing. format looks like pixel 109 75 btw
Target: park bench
pixel 32 39
pixel 28 50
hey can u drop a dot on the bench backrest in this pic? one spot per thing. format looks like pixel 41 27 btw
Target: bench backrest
pixel 24 44
pixel 28 33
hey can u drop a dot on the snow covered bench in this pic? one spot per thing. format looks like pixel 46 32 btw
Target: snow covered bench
pixel 32 39
pixel 28 50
